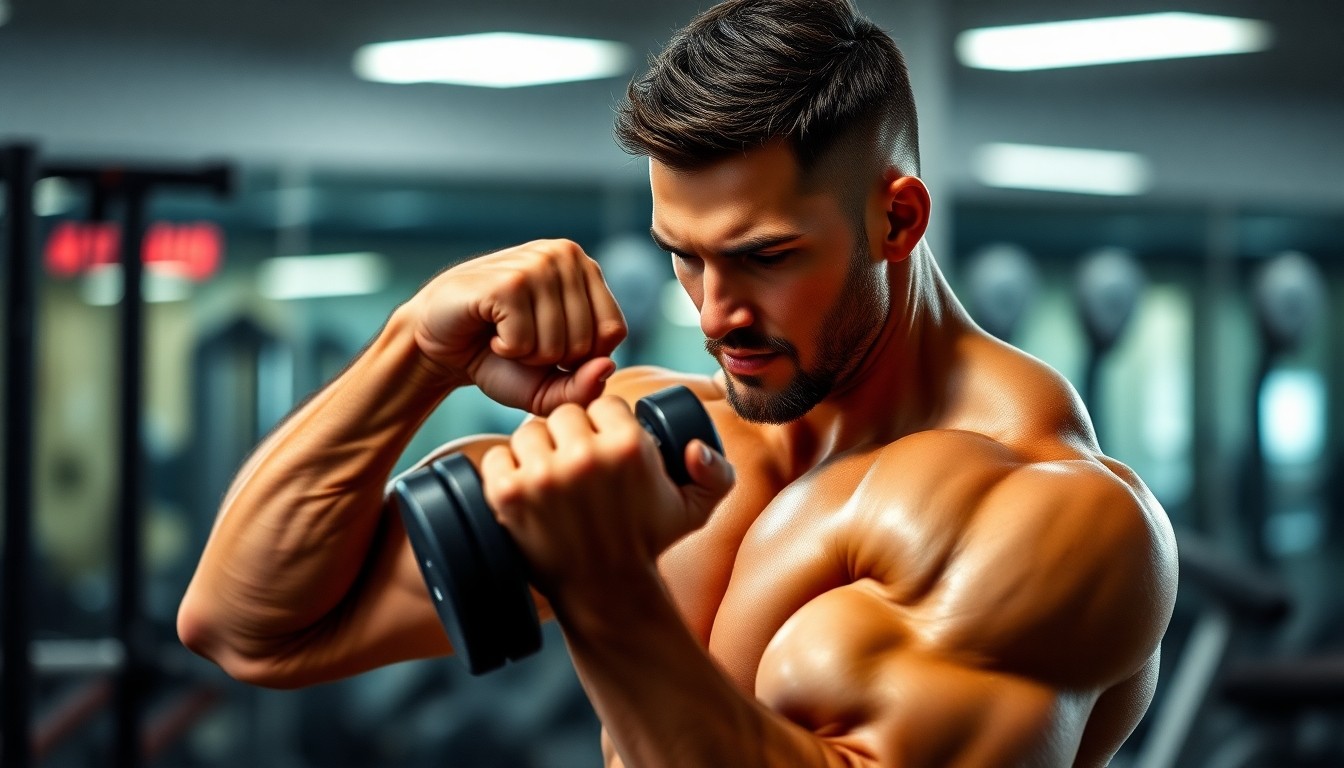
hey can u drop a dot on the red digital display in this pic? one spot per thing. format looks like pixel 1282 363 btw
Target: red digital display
pixel 193 249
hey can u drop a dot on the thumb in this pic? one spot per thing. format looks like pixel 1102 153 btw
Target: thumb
pixel 711 479
pixel 582 386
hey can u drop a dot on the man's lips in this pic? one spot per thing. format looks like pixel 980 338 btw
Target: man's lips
pixel 746 363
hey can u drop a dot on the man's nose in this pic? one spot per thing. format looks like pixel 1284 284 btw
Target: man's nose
pixel 722 308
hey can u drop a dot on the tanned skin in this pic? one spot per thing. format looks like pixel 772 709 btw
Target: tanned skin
pixel 934 566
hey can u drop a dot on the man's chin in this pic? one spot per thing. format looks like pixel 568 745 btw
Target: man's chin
pixel 753 383
pixel 750 400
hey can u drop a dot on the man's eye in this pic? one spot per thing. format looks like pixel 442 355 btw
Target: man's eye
pixel 769 259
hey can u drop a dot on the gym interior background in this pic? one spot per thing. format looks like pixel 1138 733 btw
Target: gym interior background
pixel 1222 387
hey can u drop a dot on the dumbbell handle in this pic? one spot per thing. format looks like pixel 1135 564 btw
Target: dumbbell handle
pixel 469 561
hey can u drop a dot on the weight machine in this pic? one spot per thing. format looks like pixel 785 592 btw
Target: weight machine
pixel 129 656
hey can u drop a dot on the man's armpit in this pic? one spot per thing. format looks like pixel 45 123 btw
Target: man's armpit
pixel 850 667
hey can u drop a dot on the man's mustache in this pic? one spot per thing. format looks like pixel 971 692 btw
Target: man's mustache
pixel 745 338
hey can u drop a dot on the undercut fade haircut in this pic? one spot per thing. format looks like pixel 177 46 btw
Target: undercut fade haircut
pixel 747 72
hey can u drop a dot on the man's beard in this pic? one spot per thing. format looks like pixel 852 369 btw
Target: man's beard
pixel 843 337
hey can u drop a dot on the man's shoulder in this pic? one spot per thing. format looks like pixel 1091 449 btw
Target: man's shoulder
pixel 1084 497
pixel 1019 401
pixel 1064 567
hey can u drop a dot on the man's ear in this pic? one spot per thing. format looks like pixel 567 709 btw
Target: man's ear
pixel 906 208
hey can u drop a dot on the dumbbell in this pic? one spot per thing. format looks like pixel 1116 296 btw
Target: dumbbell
pixel 476 576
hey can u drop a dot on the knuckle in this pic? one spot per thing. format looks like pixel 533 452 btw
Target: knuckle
pixel 517 439
pixel 567 410
pixel 579 349
pixel 549 352
pixel 494 455
pixel 503 491
pixel 569 248
pixel 611 329
pixel 540 264
pixel 513 281
pixel 508 490
pixel 628 447
pixel 541 245
pixel 540 479
pixel 580 458
pixel 565 247
pixel 610 401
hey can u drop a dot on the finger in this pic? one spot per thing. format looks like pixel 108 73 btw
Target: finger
pixel 578 312
pixel 570 428
pixel 612 416
pixel 712 478
pixel 581 386
pixel 531 442
pixel 609 327
pixel 497 462
pixel 549 307
pixel 515 325
pixel 497 477
pixel 709 469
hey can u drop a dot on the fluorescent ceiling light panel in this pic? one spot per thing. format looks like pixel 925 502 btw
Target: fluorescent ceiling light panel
pixel 1061 169
pixel 308 277
pixel 1086 42
pixel 492 59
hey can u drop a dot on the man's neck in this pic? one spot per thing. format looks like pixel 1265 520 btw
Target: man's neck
pixel 898 387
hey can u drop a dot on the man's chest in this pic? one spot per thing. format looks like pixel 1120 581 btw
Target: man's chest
pixel 891 518
pixel 765 553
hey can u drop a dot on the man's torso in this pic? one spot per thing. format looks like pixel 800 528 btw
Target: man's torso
pixel 882 523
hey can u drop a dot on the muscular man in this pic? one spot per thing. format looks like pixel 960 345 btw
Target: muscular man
pixel 913 552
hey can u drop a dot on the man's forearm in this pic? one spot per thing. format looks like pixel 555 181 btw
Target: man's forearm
pixel 305 506
pixel 660 696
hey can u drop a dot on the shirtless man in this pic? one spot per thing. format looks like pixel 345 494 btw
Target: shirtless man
pixel 912 553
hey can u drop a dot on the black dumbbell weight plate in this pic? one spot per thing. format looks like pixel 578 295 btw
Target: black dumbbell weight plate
pixel 458 581
pixel 474 571
pixel 675 417
pixel 510 612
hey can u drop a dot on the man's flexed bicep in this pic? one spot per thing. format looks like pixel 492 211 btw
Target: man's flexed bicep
pixel 851 667
pixel 1066 572
pixel 1058 593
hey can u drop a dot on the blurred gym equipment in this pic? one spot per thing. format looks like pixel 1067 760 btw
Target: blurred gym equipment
pixel 18 169
pixel 1000 282
pixel 130 187
pixel 634 269
pixel 1286 706
pixel 1289 296
pixel 1289 301
pixel 1107 288
pixel 1237 598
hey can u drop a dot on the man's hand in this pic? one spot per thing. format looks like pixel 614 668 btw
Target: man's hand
pixel 585 496
pixel 531 326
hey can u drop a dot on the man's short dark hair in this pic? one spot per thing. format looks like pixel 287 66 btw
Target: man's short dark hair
pixel 747 72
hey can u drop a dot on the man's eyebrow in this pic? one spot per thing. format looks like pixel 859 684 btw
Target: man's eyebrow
pixel 744 248
pixel 662 244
